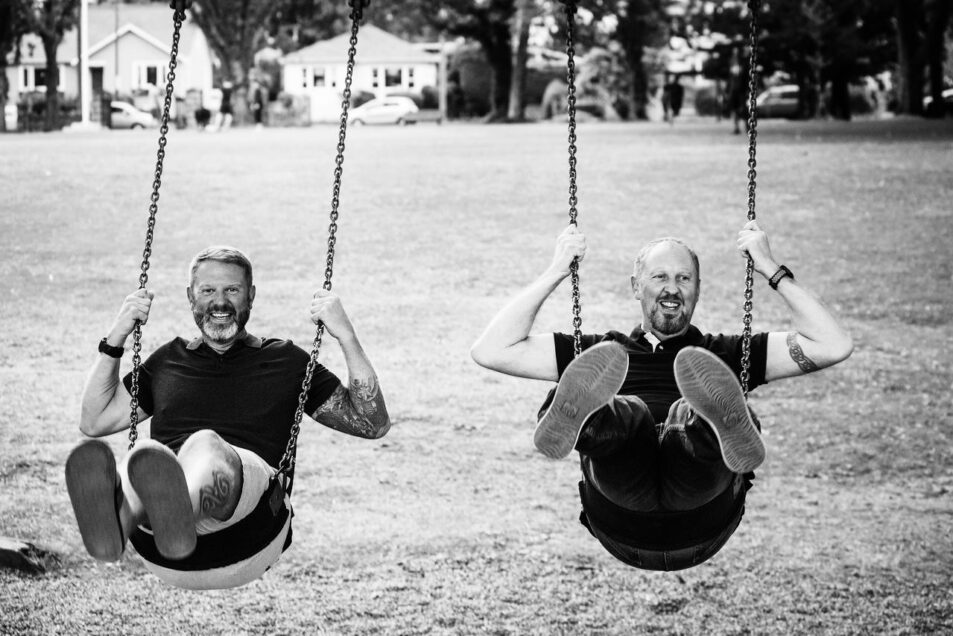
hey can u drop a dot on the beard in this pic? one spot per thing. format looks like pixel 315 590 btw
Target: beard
pixel 668 324
pixel 220 332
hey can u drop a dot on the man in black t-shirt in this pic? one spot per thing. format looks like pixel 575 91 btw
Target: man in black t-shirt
pixel 659 418
pixel 222 408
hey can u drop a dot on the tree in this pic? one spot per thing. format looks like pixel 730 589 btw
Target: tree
pixel 235 29
pixel 13 26
pixel 50 19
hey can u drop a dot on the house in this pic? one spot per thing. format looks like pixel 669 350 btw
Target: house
pixel 129 49
pixel 385 64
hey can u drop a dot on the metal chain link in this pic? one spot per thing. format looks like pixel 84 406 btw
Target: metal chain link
pixel 753 6
pixel 288 460
pixel 178 16
pixel 573 213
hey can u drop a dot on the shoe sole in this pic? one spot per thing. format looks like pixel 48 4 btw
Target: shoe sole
pixel 157 478
pixel 94 492
pixel 712 390
pixel 587 384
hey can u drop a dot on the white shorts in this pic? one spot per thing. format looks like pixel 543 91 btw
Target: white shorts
pixel 256 474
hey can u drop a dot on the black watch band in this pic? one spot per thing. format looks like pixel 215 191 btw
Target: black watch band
pixel 783 272
pixel 109 350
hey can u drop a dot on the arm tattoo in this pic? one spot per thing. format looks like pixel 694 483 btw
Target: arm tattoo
pixel 358 410
pixel 797 354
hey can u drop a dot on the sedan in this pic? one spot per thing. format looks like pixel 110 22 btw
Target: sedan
pixel 125 115
pixel 384 110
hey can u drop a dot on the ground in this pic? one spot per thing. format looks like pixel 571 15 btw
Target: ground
pixel 452 524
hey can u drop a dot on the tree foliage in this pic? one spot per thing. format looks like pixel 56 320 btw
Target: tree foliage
pixel 50 19
pixel 13 25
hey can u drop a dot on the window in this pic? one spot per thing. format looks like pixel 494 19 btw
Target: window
pixel 33 78
pixel 410 77
pixel 393 76
pixel 318 77
pixel 304 77
pixel 376 77
pixel 146 73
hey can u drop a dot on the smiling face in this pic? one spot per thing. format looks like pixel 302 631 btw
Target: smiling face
pixel 666 283
pixel 221 299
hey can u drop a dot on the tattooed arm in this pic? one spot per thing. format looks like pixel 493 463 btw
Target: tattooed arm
pixel 818 341
pixel 359 408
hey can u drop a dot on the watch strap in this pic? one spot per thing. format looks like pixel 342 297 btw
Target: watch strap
pixel 783 272
pixel 109 350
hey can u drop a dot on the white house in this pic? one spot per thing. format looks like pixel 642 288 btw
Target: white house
pixel 129 48
pixel 385 64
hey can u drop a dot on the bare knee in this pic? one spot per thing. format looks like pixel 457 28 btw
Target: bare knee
pixel 213 470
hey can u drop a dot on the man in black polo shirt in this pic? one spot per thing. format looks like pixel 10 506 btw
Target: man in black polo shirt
pixel 666 440
pixel 222 406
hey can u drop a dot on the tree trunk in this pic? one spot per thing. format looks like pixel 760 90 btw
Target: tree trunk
pixel 840 95
pixel 517 103
pixel 910 63
pixel 51 121
pixel 640 87
pixel 937 21
pixel 4 87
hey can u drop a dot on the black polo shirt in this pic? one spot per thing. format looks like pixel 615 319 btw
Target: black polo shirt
pixel 248 395
pixel 651 374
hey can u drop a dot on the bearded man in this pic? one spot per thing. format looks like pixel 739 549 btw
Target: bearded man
pixel 665 437
pixel 222 406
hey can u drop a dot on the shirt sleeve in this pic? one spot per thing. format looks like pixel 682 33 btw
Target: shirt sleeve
pixel 146 402
pixel 323 384
pixel 730 348
pixel 565 348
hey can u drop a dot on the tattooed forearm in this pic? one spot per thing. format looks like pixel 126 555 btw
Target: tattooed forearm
pixel 358 410
pixel 797 354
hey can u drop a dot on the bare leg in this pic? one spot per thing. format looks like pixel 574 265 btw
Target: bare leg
pixel 213 472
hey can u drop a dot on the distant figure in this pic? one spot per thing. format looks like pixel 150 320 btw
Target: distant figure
pixel 676 96
pixel 256 102
pixel 224 118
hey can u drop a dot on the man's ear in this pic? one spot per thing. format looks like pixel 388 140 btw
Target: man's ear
pixel 190 296
pixel 251 296
pixel 635 287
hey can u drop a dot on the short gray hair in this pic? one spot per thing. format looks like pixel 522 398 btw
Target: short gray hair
pixel 644 252
pixel 221 254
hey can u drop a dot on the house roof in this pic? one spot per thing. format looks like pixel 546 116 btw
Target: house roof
pixel 374 46
pixel 149 22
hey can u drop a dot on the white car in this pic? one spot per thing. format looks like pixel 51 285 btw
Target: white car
pixel 125 115
pixel 384 110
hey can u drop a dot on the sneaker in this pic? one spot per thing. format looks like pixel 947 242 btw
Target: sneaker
pixel 587 384
pixel 712 390
pixel 157 477
pixel 95 492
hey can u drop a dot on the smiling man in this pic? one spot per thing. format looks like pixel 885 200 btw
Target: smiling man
pixel 665 437
pixel 221 405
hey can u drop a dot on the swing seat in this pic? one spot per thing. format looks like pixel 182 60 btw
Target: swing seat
pixel 664 541
pixel 231 557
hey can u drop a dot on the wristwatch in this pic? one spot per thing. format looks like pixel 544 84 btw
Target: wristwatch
pixel 109 350
pixel 783 272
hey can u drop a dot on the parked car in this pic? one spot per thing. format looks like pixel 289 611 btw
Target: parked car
pixel 779 101
pixel 125 115
pixel 384 110
pixel 947 100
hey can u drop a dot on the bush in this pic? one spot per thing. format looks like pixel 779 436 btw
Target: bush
pixel 707 102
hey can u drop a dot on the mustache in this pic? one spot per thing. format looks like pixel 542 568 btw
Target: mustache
pixel 220 308
pixel 667 296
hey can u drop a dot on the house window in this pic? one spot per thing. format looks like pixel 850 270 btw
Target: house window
pixel 376 77
pixel 146 73
pixel 393 76
pixel 318 77
pixel 33 78
pixel 410 77
pixel 305 72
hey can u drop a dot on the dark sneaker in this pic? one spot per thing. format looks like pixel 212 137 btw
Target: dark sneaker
pixel 587 384
pixel 157 477
pixel 712 390
pixel 95 492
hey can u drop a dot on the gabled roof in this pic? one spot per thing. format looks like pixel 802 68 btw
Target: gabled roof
pixel 374 45
pixel 150 22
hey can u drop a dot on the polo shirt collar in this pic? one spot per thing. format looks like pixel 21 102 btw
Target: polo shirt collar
pixel 249 341
pixel 691 337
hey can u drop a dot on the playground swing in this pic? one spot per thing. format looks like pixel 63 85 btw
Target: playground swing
pixel 667 530
pixel 224 559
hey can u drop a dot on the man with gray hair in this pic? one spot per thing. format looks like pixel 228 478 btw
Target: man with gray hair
pixel 222 406
pixel 665 437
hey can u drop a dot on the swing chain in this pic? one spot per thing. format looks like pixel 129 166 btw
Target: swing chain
pixel 573 212
pixel 178 16
pixel 753 6
pixel 288 459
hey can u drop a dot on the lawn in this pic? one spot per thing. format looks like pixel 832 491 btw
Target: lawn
pixel 452 523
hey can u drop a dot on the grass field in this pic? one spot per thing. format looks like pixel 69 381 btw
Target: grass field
pixel 452 523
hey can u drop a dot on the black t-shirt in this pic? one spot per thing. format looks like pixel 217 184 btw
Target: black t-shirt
pixel 651 374
pixel 248 395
